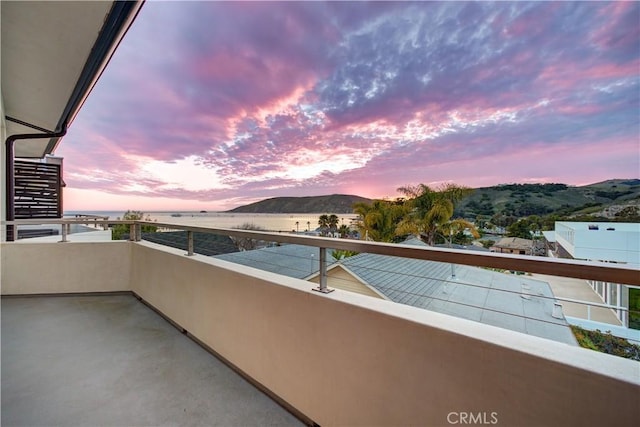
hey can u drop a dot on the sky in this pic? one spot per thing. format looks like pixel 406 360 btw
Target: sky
pixel 213 105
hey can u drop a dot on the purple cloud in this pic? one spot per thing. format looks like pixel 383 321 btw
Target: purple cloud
pixel 233 100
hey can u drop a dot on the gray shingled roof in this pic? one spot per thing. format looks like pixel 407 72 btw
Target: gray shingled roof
pixel 297 261
pixel 513 243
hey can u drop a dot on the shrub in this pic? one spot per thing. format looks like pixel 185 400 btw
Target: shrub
pixel 120 230
pixel 606 343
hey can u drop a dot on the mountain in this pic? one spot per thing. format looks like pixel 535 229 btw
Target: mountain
pixel 521 200
pixel 518 200
pixel 335 203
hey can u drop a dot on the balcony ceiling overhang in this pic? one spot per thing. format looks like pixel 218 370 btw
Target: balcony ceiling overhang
pixel 53 52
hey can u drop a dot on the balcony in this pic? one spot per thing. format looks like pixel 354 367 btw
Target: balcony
pixel 335 358
pixel 111 360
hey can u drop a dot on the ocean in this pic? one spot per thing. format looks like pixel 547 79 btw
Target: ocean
pixel 270 222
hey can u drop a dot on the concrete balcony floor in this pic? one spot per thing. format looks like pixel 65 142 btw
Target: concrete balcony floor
pixel 111 360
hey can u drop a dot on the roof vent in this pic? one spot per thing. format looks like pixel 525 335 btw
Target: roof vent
pixel 557 311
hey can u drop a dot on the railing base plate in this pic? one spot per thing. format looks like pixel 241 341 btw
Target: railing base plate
pixel 323 291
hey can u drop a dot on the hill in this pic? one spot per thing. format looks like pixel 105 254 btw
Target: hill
pixel 521 200
pixel 335 203
pixel 512 200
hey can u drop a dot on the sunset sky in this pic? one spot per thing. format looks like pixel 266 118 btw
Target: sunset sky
pixel 211 105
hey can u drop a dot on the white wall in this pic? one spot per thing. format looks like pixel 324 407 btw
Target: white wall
pixel 620 245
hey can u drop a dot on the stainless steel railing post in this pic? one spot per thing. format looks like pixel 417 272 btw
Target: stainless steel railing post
pixel 189 243
pixel 65 229
pixel 322 287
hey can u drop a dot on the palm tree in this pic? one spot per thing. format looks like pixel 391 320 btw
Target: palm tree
pixel 328 224
pixel 333 223
pixel 323 222
pixel 455 226
pixel 344 231
pixel 378 221
pixel 429 209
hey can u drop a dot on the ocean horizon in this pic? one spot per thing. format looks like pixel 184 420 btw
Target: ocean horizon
pixel 268 221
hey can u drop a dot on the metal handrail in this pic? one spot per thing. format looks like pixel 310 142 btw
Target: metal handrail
pixel 593 304
pixel 591 270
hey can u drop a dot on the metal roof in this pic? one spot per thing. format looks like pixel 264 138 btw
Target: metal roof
pixel 53 52
pixel 485 296
pixel 495 298
pixel 203 243
pixel 297 261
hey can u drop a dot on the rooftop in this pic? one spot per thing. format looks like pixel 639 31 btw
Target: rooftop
pixel 600 226
pixel 513 243
pixel 297 261
pixel 512 302
pixel 204 243
pixel 495 298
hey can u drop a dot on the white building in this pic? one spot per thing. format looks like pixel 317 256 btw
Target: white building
pixel 600 241
pixel 612 242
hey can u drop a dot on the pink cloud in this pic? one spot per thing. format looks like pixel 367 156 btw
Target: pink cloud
pixel 315 98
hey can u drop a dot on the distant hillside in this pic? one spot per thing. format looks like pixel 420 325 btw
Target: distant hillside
pixel 521 200
pixel 517 200
pixel 335 203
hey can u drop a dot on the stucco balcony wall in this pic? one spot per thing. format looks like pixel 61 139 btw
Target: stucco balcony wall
pixel 53 268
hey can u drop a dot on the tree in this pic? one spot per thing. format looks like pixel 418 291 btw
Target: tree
pixel 340 254
pixel 333 223
pixel 323 223
pixel 453 231
pixel 119 230
pixel 520 229
pixel 429 209
pixel 246 243
pixel 378 220
pixel 344 231
pixel 328 224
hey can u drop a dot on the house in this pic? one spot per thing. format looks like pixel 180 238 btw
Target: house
pixel 513 245
pixel 485 296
